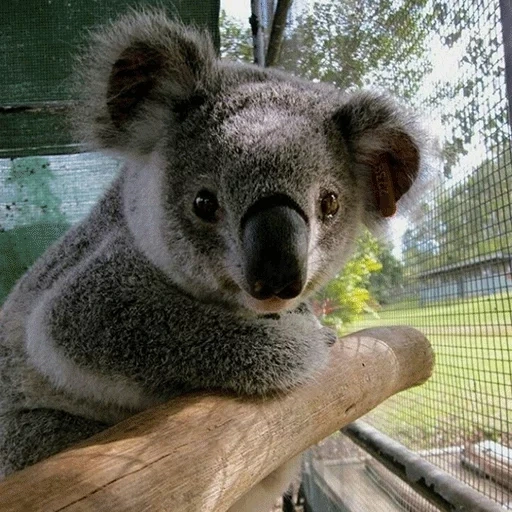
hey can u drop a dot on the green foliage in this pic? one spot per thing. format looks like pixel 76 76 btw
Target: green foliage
pixel 369 280
pixel 469 220
pixel 31 220
pixel 461 96
pixel 235 39
pixel 347 295
pixel 357 43
pixel 388 280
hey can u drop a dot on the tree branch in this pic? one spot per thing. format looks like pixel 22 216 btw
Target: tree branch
pixel 203 451
pixel 276 34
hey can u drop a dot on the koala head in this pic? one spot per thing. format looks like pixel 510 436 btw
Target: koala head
pixel 247 186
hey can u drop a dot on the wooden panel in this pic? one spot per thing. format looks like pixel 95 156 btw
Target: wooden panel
pixel 38 41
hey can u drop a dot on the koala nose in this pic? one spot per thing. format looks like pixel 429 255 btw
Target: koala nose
pixel 275 246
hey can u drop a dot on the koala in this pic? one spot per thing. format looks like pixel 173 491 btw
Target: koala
pixel 241 193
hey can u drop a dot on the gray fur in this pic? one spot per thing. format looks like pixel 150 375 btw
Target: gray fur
pixel 143 300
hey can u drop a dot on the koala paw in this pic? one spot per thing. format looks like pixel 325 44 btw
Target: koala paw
pixel 306 343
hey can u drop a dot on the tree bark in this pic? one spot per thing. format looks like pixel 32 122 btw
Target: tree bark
pixel 277 31
pixel 204 451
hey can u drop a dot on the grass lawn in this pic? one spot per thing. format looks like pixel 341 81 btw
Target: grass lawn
pixel 469 397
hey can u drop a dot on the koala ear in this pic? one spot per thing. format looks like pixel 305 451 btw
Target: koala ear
pixel 136 73
pixel 384 142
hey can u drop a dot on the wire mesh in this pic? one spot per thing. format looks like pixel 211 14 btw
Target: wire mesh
pixel 456 255
pixel 38 42
pixel 458 286
pixel 452 275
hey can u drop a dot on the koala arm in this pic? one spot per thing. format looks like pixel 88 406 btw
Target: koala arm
pixel 29 436
pixel 119 315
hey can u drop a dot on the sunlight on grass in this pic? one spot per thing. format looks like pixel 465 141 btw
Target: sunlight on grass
pixel 470 392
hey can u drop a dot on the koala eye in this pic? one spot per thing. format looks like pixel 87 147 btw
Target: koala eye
pixel 329 205
pixel 206 206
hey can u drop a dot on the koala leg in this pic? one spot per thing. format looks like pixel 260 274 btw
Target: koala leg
pixel 263 495
pixel 28 436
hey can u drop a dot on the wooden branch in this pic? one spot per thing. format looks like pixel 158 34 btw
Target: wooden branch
pixel 204 451
pixel 276 34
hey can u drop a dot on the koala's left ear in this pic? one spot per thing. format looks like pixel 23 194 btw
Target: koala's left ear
pixel 383 140
pixel 140 74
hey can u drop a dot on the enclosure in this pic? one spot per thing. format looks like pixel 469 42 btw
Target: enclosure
pixel 445 269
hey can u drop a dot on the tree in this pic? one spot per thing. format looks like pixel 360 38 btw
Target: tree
pixel 388 280
pixel 371 278
pixel 471 219
pixel 389 45
pixel 348 295
pixel 355 43
pixel 461 97
pixel 275 39
pixel 235 39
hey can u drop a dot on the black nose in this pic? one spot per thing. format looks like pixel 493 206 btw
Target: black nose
pixel 262 290
pixel 275 245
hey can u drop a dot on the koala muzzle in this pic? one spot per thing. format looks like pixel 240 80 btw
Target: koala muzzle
pixel 275 245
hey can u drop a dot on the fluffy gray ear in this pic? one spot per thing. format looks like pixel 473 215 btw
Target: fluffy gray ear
pixel 136 73
pixel 384 141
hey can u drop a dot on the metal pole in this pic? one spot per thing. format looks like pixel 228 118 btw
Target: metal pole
pixel 435 485
pixel 257 33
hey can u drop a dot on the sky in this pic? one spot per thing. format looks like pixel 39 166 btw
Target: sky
pixel 240 9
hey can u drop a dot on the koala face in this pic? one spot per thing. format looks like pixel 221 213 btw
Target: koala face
pixel 257 181
pixel 265 192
